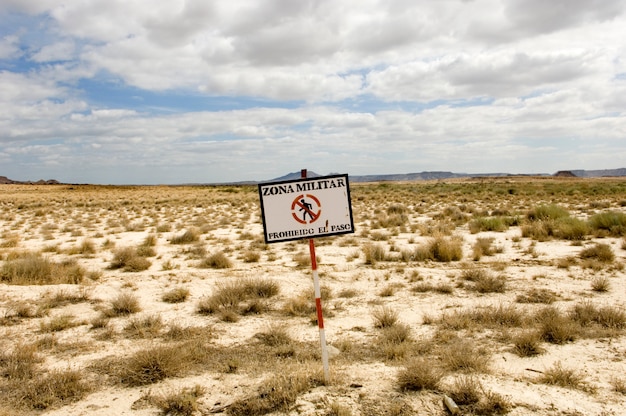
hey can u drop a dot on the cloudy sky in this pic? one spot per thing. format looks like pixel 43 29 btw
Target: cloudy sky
pixel 178 91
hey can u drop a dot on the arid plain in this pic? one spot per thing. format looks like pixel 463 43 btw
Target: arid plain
pixel 506 295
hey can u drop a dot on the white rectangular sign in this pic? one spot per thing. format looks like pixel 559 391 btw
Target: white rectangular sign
pixel 306 208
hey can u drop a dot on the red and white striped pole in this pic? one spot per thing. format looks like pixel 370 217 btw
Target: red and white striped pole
pixel 318 301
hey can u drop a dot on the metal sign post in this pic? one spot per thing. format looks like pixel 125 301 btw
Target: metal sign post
pixel 307 208
pixel 318 303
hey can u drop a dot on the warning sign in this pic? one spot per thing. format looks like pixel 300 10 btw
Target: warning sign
pixel 301 208
pixel 306 208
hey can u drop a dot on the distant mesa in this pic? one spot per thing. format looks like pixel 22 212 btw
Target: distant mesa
pixel 565 174
pixel 6 181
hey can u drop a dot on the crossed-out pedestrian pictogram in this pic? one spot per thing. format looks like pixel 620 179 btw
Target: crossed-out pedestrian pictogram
pixel 306 205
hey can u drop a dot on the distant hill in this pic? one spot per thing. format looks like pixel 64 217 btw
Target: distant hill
pixel 397 177
pixel 6 181
pixel 599 173
pixel 434 175
pixel 296 175
pixel 406 177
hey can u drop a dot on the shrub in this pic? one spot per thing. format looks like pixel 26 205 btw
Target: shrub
pixel 527 344
pixel 374 253
pixel 87 247
pixel 483 281
pixel 466 390
pixel 396 334
pixel 300 305
pixel 276 394
pixel 275 336
pixel 124 303
pixel 483 247
pixel 464 356
pixel 619 385
pixel 302 259
pixel 216 260
pixel 176 295
pixel 58 323
pixel 500 315
pixel 396 209
pixel 612 222
pixel 535 295
pixel 57 388
pixel 559 376
pixel 600 284
pixel 586 313
pixel 600 251
pixel 251 256
pixel 539 231
pixel 144 327
pixel 571 229
pixel 554 327
pixel 419 374
pixel 19 364
pixel 237 297
pixel 490 284
pixel 129 260
pixel 188 237
pixel 183 402
pixel 488 224
pixel 391 220
pixel 492 404
pixel 384 317
pixel 547 212
pixel 151 365
pixel 441 249
pixel 473 274
pixel 33 269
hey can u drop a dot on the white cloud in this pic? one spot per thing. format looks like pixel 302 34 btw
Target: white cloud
pixel 61 51
pixel 386 86
pixel 9 47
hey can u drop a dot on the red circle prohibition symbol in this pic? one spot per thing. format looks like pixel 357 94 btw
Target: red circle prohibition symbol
pixel 301 208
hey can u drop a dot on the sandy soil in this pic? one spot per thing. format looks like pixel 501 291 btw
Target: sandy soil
pixel 360 386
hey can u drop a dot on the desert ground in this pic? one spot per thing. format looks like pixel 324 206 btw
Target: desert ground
pixel 504 295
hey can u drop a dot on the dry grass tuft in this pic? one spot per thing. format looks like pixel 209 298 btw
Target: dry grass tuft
pixel 374 253
pixel 156 363
pixel 188 237
pixel 123 304
pixel 557 375
pixel 57 388
pixel 129 260
pixel 441 249
pixel 148 326
pixel 33 269
pixel 217 260
pixel 527 344
pixel 483 281
pixel 278 393
pixel 419 374
pixel 243 296
pixel 555 327
pixel 275 336
pixel 176 295
pixel 58 323
pixel 600 284
pixel 535 295
pixel 384 317
pixel 464 356
pixel 20 363
pixel 182 402
pixel 600 252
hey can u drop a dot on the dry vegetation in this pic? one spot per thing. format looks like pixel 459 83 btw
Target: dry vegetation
pixel 503 295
